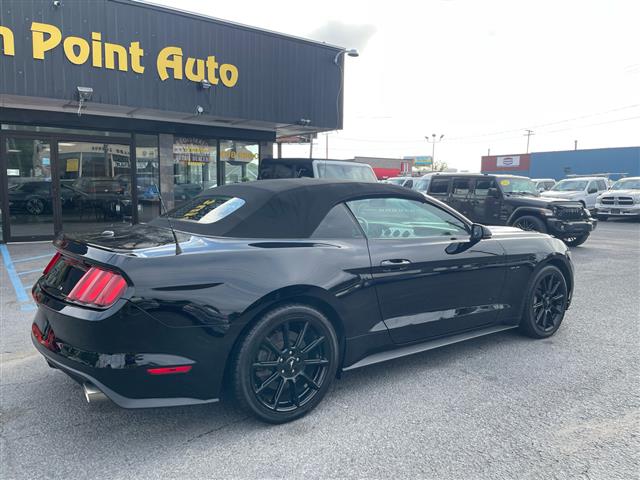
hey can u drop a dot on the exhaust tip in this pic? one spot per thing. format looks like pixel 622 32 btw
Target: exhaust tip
pixel 92 393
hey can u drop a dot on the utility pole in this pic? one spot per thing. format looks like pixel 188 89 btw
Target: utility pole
pixel 575 144
pixel 326 147
pixel 433 141
pixel 528 135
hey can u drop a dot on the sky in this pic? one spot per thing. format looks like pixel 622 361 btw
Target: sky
pixel 478 71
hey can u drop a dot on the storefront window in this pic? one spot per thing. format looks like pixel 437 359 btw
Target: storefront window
pixel 29 187
pixel 239 161
pixel 194 167
pixel 148 177
pixel 95 183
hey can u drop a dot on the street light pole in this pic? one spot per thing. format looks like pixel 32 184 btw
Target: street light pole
pixel 433 141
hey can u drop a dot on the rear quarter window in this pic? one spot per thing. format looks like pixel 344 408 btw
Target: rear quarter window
pixel 339 223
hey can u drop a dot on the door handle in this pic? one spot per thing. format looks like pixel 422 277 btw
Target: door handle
pixel 395 263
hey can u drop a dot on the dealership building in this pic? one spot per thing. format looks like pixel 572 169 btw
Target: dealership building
pixel 616 162
pixel 105 103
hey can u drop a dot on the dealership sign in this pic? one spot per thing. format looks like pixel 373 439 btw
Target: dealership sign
pixel 169 62
pixel 513 161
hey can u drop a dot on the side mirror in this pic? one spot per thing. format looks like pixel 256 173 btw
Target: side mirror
pixel 479 232
pixel 493 192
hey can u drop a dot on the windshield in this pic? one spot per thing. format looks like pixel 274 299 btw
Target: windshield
pixel 395 181
pixel 570 186
pixel 517 186
pixel 361 173
pixel 627 184
pixel 422 185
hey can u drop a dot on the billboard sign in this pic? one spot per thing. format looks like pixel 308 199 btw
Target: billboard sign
pixel 420 160
pixel 512 161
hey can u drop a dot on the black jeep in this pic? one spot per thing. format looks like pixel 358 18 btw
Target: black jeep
pixel 512 200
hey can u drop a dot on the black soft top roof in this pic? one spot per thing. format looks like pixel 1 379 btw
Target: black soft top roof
pixel 283 208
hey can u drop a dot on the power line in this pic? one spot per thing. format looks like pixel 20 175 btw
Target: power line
pixel 541 125
pixel 485 140
pixel 515 130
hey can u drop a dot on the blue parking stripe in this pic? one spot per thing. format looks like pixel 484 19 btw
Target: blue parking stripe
pixel 21 295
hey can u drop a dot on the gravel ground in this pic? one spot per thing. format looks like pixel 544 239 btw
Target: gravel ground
pixel 501 406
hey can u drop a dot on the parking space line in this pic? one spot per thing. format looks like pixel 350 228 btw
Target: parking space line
pixel 13 275
pixel 26 305
pixel 29 271
pixel 26 259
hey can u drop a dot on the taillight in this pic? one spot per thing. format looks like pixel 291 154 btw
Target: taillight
pixel 51 263
pixel 98 288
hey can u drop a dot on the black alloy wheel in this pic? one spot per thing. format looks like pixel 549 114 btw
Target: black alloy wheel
pixel 35 206
pixel 546 303
pixel 575 240
pixel 530 223
pixel 286 363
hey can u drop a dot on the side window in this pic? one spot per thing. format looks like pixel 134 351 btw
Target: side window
pixel 338 223
pixel 439 186
pixel 461 187
pixel 398 218
pixel 592 185
pixel 602 185
pixel 482 187
pixel 408 183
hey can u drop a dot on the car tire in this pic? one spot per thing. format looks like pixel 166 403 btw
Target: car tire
pixel 35 206
pixel 530 223
pixel 286 363
pixel 575 241
pixel 545 303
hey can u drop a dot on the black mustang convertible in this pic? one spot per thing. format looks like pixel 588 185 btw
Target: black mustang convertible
pixel 275 287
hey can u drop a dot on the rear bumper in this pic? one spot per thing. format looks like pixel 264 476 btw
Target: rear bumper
pixel 563 228
pixel 115 354
pixel 81 376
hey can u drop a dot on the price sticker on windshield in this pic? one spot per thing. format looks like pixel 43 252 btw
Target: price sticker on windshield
pixel 505 182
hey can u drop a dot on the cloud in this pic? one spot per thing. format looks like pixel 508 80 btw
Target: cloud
pixel 344 35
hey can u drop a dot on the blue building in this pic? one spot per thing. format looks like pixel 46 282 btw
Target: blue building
pixel 557 165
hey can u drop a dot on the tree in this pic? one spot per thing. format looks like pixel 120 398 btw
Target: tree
pixel 440 166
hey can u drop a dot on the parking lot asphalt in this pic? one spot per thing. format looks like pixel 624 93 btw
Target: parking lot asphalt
pixel 501 406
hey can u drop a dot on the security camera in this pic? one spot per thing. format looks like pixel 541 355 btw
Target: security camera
pixel 199 110
pixel 57 3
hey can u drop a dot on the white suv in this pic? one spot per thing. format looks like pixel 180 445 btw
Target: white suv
pixel 582 189
pixel 622 200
